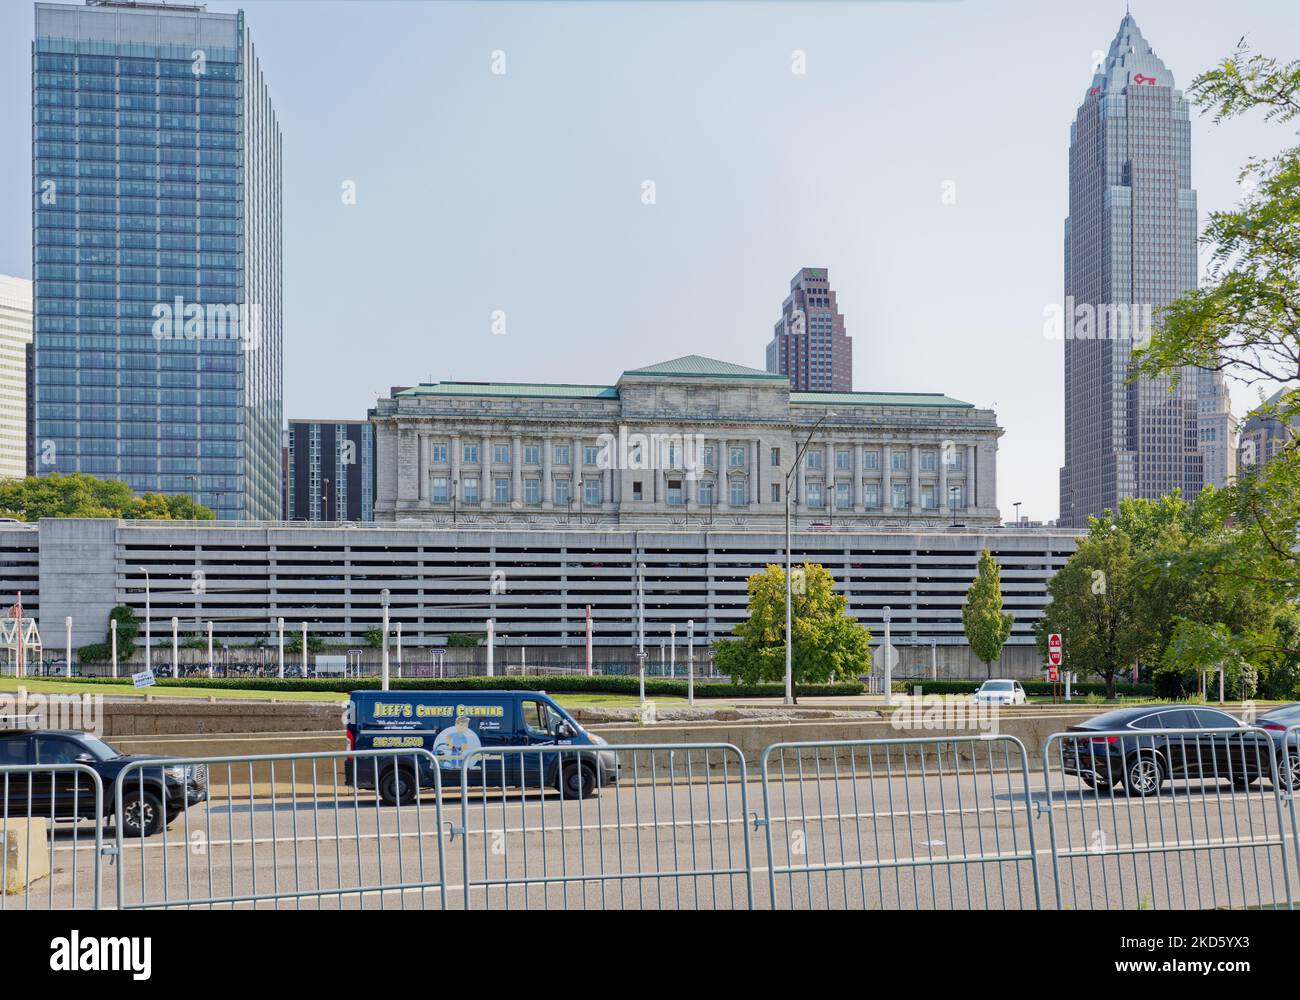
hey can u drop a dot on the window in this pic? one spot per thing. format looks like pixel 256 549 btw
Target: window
pixel 706 492
pixel 898 461
pixel 871 494
pixel 438 453
pixel 675 492
pixel 532 491
pixel 540 719
pixel 957 496
pixel 843 459
pixel 532 454
pixel 501 454
pixel 562 494
pixel 591 455
pixel 954 460
pixel 737 460
pixel 591 492
pixel 900 495
pixel 928 461
pixel 776 457
pixel 501 491
pixel 872 460
pixel 708 456
pixel 927 498
pixel 56 751
pixel 813 458
pixel 13 750
pixel 637 493
pixel 738 498
pixel 776 492
pixel 469 453
pixel 815 495
pixel 469 489
pixel 843 499
pixel 440 489
pixel 560 456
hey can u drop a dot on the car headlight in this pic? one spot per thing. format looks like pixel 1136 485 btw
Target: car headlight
pixel 176 773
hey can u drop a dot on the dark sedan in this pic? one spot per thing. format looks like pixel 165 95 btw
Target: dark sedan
pixel 1276 722
pixel 1142 748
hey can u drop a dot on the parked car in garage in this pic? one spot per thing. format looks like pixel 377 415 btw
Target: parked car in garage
pixel 1146 746
pixel 154 794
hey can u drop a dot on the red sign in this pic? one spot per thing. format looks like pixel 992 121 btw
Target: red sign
pixel 1054 651
pixel 1051 674
pixel 1139 78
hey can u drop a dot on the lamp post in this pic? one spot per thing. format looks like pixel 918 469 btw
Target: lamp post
pixel 1017 506
pixel 211 668
pixel 789 652
pixel 672 650
pixel 491 641
pixel 67 664
pixel 383 599
pixel 148 631
pixel 304 650
pixel 952 502
pixel 176 647
pixel 690 661
pixel 112 633
pixel 399 650
pixel 640 643
pixel 325 501
pixel 280 672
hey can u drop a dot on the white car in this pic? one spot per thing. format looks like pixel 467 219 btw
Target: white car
pixel 1000 692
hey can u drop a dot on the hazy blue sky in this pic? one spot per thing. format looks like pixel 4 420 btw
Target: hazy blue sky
pixel 522 192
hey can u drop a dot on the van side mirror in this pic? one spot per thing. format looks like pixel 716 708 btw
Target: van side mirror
pixel 565 730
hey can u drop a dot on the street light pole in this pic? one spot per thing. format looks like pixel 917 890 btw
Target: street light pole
pixel 148 631
pixel 280 672
pixel 67 665
pixel 789 614
pixel 383 597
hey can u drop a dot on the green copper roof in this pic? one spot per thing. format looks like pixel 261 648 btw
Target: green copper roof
pixel 694 366
pixel 878 399
pixel 535 390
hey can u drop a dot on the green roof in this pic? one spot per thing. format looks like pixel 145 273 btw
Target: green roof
pixel 878 399
pixel 536 390
pixel 695 366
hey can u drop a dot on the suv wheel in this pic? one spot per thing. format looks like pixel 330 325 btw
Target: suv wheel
pixel 1144 776
pixel 142 814
pixel 1293 756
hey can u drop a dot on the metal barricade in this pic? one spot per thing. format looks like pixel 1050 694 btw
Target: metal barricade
pixel 45 864
pixel 282 830
pixel 908 823
pixel 1289 763
pixel 631 826
pixel 1167 818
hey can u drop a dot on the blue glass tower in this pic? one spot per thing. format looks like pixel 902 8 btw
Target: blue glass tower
pixel 157 253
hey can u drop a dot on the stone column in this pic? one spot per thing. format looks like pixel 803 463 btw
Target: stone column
pixel 422 451
pixel 546 471
pixel 859 473
pixel 972 500
pixel 945 501
pixel 915 496
pixel 517 470
pixel 886 481
pixel 802 477
pixel 454 485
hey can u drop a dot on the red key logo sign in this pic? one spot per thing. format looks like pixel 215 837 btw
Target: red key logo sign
pixel 1139 78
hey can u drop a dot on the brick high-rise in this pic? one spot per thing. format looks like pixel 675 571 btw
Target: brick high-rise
pixel 809 345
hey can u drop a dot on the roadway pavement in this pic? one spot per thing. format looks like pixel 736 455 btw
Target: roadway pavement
pixel 867 837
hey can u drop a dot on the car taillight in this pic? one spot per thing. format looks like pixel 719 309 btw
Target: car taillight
pixel 1105 739
pixel 1276 727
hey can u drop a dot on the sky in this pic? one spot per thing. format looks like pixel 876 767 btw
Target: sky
pixel 921 157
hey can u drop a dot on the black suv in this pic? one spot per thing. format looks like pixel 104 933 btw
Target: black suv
pixel 1143 747
pixel 152 793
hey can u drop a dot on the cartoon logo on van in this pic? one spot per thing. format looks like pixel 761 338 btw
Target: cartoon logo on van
pixel 452 745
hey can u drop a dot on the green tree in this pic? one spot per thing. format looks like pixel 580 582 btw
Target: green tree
pixel 375 638
pixel 988 627
pixel 79 495
pixel 128 627
pixel 827 645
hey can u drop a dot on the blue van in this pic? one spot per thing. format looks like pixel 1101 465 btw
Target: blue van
pixel 453 724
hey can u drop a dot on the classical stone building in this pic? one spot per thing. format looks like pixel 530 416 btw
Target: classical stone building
pixel 691 441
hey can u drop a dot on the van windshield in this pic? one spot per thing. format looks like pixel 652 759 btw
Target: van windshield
pixel 541 718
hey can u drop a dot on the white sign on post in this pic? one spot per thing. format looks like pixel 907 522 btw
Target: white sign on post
pixel 143 679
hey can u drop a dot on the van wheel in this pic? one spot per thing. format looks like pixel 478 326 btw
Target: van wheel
pixel 578 781
pixel 142 814
pixel 397 787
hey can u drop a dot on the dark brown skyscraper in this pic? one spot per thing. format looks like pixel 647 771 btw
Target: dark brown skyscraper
pixel 809 345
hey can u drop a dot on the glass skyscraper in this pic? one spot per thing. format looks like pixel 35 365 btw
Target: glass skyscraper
pixel 157 253
pixel 1130 249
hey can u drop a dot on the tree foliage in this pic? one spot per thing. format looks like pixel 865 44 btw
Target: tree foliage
pixel 80 495
pixel 827 643
pixel 988 627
